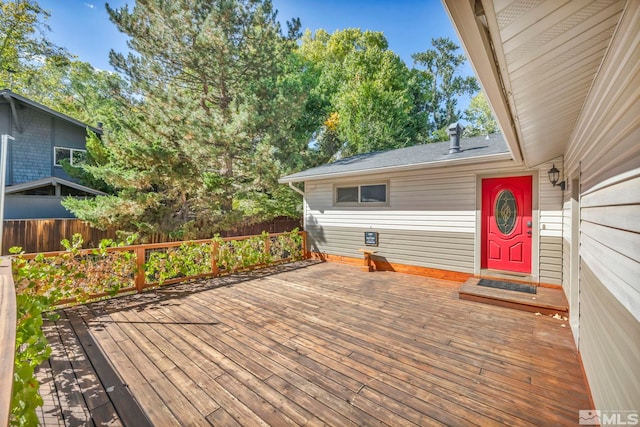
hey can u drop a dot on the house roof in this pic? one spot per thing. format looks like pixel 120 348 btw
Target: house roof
pixel 11 98
pixel 473 150
pixel 17 188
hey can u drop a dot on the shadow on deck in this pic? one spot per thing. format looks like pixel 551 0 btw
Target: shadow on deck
pixel 325 344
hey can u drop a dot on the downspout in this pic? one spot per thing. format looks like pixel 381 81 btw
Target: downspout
pixel 296 189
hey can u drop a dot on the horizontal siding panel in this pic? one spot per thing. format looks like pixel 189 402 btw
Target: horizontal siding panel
pixel 621 217
pixel 550 277
pixel 551 261
pixel 394 223
pixel 460 184
pixel 617 273
pixel 625 243
pixel 618 157
pixel 550 245
pixel 609 342
pixel 550 207
pixel 554 217
pixel 448 221
pixel 391 214
pixel 622 193
pixel 613 102
pixel 449 251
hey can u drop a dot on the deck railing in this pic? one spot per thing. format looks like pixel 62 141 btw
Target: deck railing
pixel 87 274
pixel 80 275
pixel 7 338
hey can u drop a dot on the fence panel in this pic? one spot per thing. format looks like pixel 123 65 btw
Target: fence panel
pixel 44 235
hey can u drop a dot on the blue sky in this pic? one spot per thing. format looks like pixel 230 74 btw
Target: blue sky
pixel 83 27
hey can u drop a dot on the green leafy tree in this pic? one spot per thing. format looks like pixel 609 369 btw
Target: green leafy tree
pixel 204 117
pixel 480 117
pixel 361 100
pixel 79 90
pixel 441 72
pixel 23 41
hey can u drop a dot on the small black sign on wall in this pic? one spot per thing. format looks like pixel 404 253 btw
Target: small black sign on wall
pixel 371 238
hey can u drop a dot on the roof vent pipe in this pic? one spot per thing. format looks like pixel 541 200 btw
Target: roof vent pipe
pixel 455 132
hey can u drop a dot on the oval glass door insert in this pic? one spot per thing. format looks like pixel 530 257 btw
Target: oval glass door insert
pixel 506 211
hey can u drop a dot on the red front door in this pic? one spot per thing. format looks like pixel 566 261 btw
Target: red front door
pixel 506 223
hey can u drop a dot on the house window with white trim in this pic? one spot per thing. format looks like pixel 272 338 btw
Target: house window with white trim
pixel 363 194
pixel 75 156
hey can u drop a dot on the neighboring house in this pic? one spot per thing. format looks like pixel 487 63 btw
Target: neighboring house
pixel 36 181
pixel 563 79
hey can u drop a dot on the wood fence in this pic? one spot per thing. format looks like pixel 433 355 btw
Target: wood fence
pixel 44 235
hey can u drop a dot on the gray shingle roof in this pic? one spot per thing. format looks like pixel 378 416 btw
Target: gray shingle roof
pixel 423 154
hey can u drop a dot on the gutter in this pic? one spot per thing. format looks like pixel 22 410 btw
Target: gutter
pixel 424 165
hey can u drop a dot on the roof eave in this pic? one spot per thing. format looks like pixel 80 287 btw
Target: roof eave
pixel 7 93
pixel 425 165
pixel 478 45
pixel 51 181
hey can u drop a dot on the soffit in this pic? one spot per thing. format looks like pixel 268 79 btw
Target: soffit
pixel 548 53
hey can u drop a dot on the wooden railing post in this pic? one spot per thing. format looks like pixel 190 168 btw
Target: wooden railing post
pixel 140 270
pixel 267 247
pixel 214 259
pixel 305 254
pixel 7 337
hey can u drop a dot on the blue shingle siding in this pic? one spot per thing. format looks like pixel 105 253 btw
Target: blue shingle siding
pixel 31 152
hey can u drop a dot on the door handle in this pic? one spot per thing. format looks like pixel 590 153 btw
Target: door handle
pixel 529 224
pixel 529 232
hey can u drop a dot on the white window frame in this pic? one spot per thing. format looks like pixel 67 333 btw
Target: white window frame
pixel 359 202
pixel 71 152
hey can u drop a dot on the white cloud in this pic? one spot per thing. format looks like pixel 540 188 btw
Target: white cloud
pixel 89 5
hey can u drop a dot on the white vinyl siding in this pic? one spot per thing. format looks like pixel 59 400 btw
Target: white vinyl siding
pixel 431 218
pixel 610 241
pixel 604 151
pixel 609 343
pixel 550 207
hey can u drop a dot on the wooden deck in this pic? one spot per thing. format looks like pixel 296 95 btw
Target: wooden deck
pixel 548 301
pixel 326 344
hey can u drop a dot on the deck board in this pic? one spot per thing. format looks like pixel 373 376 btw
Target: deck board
pixel 328 344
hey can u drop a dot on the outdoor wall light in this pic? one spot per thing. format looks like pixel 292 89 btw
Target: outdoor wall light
pixel 554 175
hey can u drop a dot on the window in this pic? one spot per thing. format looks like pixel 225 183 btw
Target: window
pixel 361 194
pixel 347 195
pixel 373 193
pixel 75 156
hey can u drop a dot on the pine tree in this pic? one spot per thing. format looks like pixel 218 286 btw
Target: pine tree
pixel 198 141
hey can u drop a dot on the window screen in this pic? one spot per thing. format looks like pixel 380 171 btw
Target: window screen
pixel 373 193
pixel 346 194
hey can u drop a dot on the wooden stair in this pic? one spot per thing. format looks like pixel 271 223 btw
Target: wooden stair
pixel 546 301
